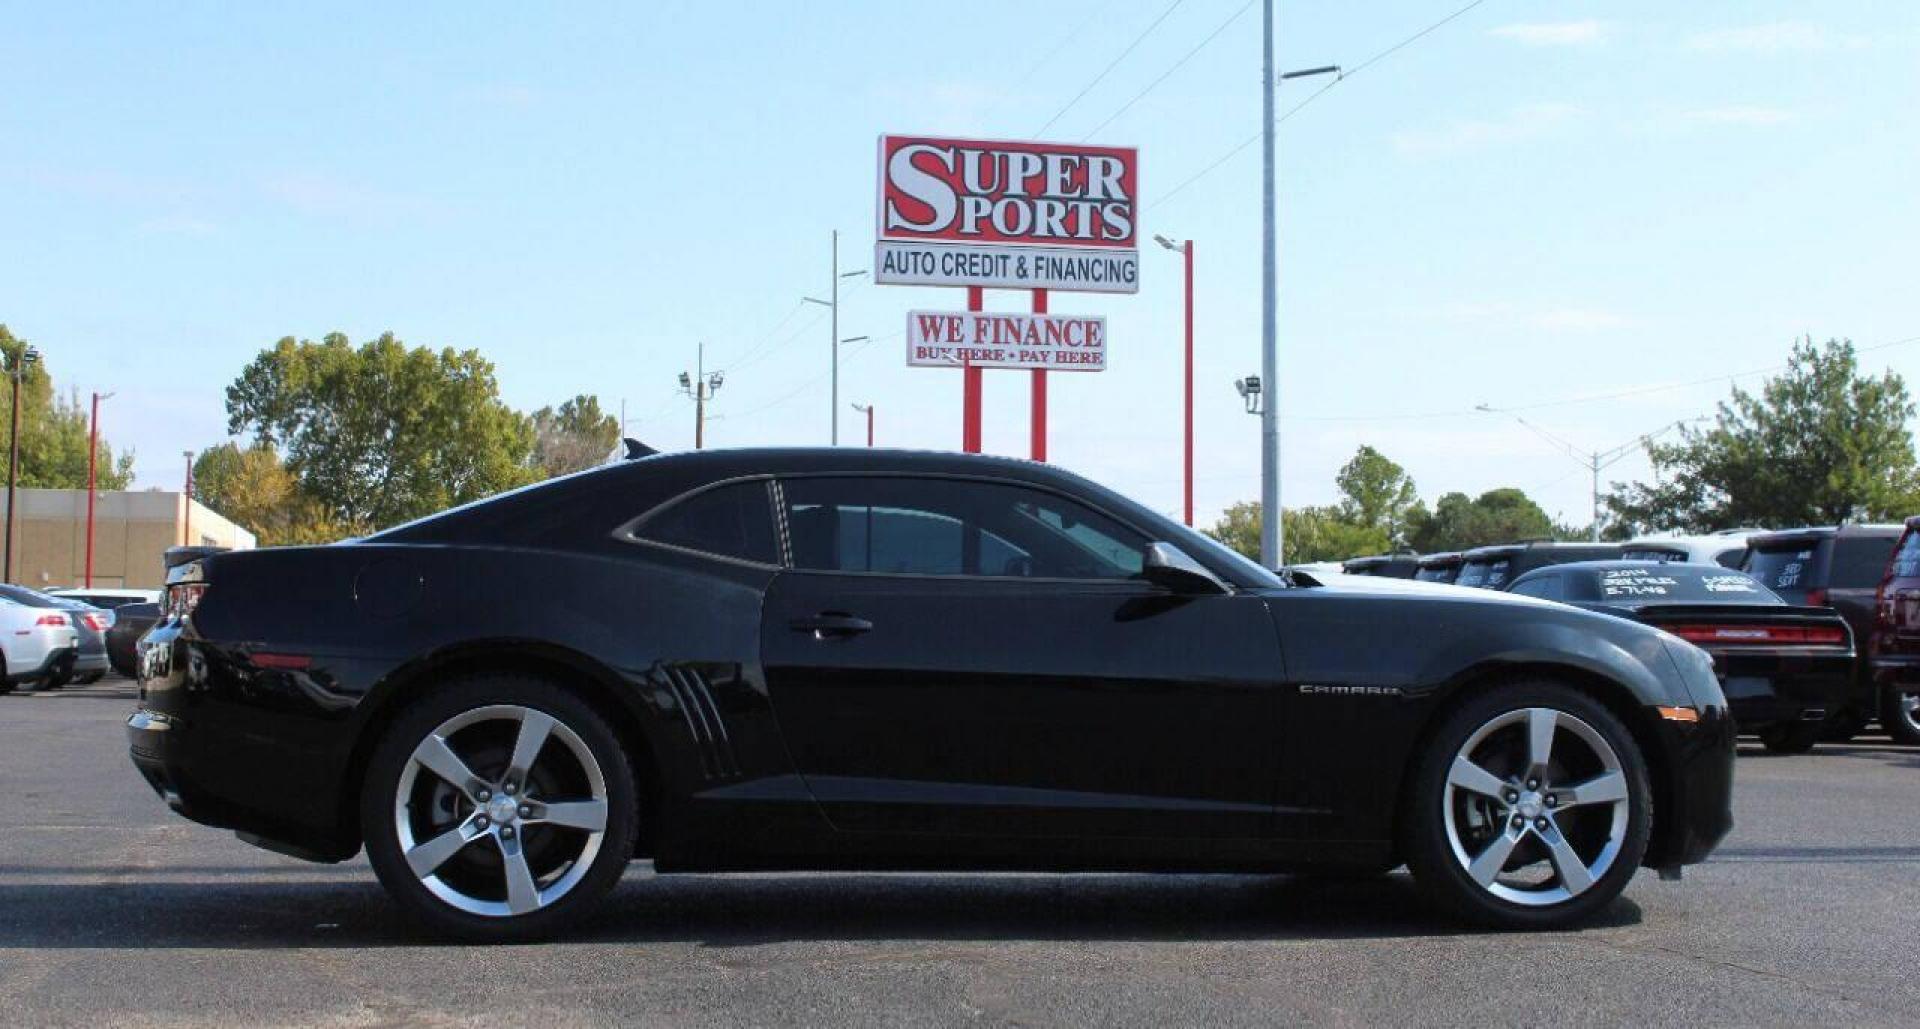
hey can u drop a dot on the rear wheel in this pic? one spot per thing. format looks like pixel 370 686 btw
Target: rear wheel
pixel 499 808
pixel 1529 808
pixel 1900 714
pixel 1792 737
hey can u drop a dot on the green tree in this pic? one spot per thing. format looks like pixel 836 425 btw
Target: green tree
pixel 1311 533
pixel 382 433
pixel 254 489
pixel 54 430
pixel 1818 444
pixel 575 436
pixel 1496 516
pixel 1378 494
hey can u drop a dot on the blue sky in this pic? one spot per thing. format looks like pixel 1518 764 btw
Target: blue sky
pixel 1537 204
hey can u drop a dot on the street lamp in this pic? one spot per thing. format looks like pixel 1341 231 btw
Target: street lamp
pixel 1597 460
pixel 1185 250
pixel 1271 543
pixel 18 370
pixel 833 330
pixel 1249 389
pixel 867 409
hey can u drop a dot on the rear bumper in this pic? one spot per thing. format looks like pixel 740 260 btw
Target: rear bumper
pixel 1899 674
pixel 1769 688
pixel 44 666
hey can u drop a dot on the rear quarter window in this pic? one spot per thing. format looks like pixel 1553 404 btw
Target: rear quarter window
pixel 733 521
pixel 1860 562
pixel 1906 559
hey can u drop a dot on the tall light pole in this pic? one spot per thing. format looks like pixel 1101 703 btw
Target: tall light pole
pixel 18 370
pixel 1597 460
pixel 1185 249
pixel 833 330
pixel 867 409
pixel 1271 544
pixel 93 451
pixel 701 386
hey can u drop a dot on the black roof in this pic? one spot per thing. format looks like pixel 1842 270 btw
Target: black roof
pixel 1514 548
pixel 1612 564
pixel 1813 532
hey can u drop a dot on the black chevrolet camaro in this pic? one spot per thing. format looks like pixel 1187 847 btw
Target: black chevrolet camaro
pixel 856 659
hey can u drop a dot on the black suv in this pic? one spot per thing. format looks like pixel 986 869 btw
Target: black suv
pixel 1831 566
pixel 1389 566
pixel 1491 568
pixel 1443 567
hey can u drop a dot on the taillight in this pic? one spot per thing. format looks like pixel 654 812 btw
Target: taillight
pixel 96 621
pixel 1762 635
pixel 183 598
pixel 52 620
pixel 1816 598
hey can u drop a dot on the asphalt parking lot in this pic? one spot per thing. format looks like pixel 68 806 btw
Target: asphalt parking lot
pixel 113 911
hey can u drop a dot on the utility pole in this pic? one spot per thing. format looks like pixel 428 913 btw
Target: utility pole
pixel 93 451
pixel 186 523
pixel 18 371
pixel 867 409
pixel 1597 460
pixel 701 387
pixel 833 330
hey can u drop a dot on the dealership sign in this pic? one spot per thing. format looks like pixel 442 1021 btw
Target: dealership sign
pixel 959 339
pixel 1007 215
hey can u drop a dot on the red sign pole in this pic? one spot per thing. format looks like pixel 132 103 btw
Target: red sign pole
pixel 970 395
pixel 1039 427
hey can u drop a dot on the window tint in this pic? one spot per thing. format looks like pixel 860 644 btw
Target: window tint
pixel 1485 573
pixel 1680 583
pixel 1906 560
pixel 1784 568
pixel 731 521
pixel 1437 573
pixel 1860 561
pixel 1546 587
pixel 953 527
pixel 1652 554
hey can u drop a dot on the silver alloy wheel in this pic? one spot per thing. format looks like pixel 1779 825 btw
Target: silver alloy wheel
pixel 504 808
pixel 1521 806
pixel 1907 708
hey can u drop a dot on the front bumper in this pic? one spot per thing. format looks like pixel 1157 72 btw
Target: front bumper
pixel 1699 788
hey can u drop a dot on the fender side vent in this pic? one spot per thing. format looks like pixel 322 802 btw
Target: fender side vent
pixel 693 695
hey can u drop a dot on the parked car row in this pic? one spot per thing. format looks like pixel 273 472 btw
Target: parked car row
pixel 1863 578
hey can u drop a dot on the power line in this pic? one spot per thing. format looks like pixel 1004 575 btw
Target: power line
pixel 1177 65
pixel 1099 9
pixel 765 338
pixel 1148 31
pixel 1355 70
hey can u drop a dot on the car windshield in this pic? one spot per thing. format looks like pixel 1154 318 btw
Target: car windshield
pixel 1786 568
pixel 1437 573
pixel 1485 572
pixel 27 597
pixel 1679 584
pixel 1653 554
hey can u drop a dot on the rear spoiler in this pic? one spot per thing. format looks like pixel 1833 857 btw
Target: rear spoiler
pixel 1737 612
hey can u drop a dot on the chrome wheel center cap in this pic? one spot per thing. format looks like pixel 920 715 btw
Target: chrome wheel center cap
pixel 1530 806
pixel 502 809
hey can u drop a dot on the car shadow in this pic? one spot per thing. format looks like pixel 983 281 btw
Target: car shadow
pixel 752 910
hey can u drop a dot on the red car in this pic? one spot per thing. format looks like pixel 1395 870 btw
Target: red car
pixel 1895 647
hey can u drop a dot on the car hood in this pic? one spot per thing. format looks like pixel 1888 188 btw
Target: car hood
pixel 1376 585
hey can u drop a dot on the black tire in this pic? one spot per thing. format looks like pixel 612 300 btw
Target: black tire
pixel 89 679
pixel 1843 726
pixel 1792 737
pixel 1429 813
pixel 394 754
pixel 1900 717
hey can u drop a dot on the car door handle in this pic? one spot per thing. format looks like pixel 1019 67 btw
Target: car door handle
pixel 828 624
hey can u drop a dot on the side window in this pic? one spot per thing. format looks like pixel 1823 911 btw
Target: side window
pixel 912 526
pixel 729 521
pixel 1860 561
pixel 1906 559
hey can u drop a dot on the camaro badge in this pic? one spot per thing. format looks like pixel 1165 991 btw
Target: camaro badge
pixel 1312 689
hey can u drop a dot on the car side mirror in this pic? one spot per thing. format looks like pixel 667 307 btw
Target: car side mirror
pixel 1168 566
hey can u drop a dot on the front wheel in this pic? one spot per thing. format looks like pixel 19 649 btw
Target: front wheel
pixel 1900 714
pixel 499 808
pixel 1792 737
pixel 1529 808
